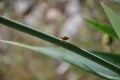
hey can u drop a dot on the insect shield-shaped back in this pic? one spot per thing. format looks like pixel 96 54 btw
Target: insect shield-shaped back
pixel 64 38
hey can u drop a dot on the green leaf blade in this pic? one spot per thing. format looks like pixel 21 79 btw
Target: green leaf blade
pixel 102 27
pixel 27 29
pixel 114 19
pixel 77 60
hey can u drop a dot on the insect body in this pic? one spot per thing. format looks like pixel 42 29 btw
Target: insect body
pixel 64 38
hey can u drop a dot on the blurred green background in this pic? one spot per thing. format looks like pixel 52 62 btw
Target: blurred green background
pixel 55 17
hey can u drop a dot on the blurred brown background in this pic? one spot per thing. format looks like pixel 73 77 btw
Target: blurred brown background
pixel 55 17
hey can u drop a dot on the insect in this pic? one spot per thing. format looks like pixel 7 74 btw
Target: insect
pixel 64 38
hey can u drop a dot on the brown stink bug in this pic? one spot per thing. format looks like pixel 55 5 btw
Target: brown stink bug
pixel 64 38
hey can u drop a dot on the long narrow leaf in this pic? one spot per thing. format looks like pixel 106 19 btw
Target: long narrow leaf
pixel 114 19
pixel 77 60
pixel 54 40
pixel 102 27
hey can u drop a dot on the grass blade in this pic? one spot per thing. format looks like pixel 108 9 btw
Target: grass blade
pixel 102 27
pixel 77 60
pixel 54 40
pixel 114 19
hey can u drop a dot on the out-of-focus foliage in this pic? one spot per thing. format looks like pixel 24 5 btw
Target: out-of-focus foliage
pixel 116 0
pixel 102 27
pixel 114 19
